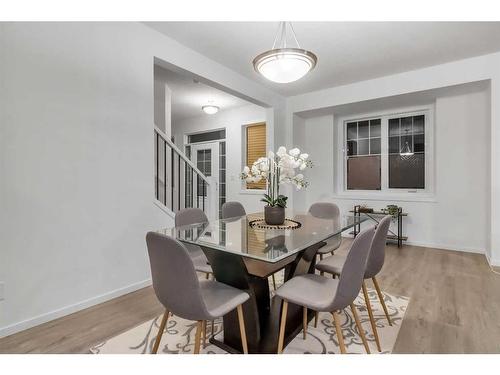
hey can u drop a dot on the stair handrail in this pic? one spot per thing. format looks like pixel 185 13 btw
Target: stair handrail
pixel 181 154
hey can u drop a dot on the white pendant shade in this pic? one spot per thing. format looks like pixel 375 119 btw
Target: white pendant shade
pixel 284 65
pixel 406 150
pixel 210 109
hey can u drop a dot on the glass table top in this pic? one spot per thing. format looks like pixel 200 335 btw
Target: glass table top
pixel 235 235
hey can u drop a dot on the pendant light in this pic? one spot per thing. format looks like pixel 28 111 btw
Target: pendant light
pixel 284 64
pixel 406 151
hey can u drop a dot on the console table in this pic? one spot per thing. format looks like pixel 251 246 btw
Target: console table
pixel 374 216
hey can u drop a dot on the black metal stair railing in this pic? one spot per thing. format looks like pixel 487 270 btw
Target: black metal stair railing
pixel 179 183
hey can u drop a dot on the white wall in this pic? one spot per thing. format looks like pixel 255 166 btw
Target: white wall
pixel 162 102
pixel 77 161
pixel 458 216
pixel 233 121
pixel 475 69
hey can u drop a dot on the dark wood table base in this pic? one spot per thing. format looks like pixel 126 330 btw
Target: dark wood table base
pixel 262 313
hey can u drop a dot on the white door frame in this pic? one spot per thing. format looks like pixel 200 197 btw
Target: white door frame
pixel 211 197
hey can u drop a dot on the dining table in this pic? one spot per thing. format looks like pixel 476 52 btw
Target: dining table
pixel 243 252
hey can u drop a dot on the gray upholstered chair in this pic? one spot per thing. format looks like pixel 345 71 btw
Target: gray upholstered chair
pixel 327 210
pixel 232 209
pixel 179 290
pixel 319 293
pixel 335 263
pixel 236 209
pixel 189 216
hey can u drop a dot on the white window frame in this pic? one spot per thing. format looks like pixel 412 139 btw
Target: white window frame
pixel 426 194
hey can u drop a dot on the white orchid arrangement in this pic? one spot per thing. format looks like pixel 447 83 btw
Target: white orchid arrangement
pixel 278 169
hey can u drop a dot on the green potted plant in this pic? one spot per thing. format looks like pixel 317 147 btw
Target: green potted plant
pixel 392 210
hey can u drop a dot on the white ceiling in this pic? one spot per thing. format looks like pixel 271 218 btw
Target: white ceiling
pixel 189 96
pixel 347 51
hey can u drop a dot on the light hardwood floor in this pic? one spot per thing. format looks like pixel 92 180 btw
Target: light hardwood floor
pixel 454 308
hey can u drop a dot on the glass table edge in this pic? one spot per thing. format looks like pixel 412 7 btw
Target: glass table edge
pixel 255 257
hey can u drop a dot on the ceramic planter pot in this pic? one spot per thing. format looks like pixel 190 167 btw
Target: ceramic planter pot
pixel 274 215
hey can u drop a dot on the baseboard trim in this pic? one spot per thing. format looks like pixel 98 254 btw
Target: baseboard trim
pixel 70 309
pixel 439 246
pixel 492 261
pixel 446 247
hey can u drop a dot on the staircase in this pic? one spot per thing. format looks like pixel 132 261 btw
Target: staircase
pixel 179 183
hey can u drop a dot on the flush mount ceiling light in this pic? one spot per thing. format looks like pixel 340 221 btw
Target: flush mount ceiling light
pixel 210 109
pixel 284 64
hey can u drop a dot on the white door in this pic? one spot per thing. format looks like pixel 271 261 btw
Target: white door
pixel 206 158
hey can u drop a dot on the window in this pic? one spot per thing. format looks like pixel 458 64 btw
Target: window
pixel 255 148
pixel 363 155
pixel 386 153
pixel 207 137
pixel 407 152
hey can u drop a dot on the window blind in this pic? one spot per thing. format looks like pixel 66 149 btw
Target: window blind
pixel 256 148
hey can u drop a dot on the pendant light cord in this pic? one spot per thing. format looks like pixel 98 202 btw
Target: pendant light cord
pixel 281 32
pixel 294 36
pixel 278 32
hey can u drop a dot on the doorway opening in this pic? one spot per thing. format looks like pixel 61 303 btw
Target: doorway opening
pixel 207 150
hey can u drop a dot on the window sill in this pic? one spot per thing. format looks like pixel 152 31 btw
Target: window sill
pixel 253 191
pixel 387 197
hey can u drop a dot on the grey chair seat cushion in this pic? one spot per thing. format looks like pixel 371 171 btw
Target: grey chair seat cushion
pixel 333 264
pixel 220 298
pixel 313 291
pixel 331 245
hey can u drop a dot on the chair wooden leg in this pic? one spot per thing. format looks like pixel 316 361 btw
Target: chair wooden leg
pixel 243 334
pixel 274 282
pixel 163 323
pixel 320 259
pixel 338 329
pixel 370 314
pixel 381 298
pixel 304 322
pixel 197 337
pixel 204 333
pixel 282 327
pixel 360 328
pixel 316 316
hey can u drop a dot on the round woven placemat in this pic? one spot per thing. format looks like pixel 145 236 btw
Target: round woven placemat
pixel 288 224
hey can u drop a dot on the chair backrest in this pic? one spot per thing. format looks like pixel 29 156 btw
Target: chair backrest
pixel 324 210
pixel 174 278
pixel 377 253
pixel 190 216
pixel 354 268
pixel 232 209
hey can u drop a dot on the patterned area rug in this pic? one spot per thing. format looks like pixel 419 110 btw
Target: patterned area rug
pixel 179 335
